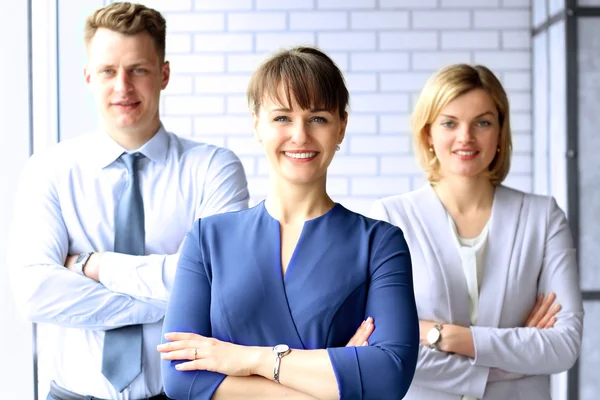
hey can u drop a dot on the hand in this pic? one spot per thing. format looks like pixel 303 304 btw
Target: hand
pixel 70 261
pixel 209 354
pixel 542 315
pixel 363 333
pixel 453 338
pixel 92 267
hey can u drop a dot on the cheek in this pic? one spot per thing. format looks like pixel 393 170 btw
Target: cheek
pixel 441 140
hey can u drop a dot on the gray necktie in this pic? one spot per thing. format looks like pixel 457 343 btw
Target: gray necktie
pixel 122 352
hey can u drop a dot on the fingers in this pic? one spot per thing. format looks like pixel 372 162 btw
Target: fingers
pixel 172 336
pixel 184 354
pixel 543 311
pixel 534 310
pixel 363 333
pixel 546 321
pixel 202 365
pixel 180 345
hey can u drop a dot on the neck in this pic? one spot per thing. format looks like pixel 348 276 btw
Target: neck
pixel 293 203
pixel 134 138
pixel 461 195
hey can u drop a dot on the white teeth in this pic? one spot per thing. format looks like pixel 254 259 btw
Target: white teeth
pixel 465 153
pixel 300 155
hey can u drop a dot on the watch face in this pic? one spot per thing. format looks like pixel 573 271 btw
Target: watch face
pixel 281 348
pixel 433 336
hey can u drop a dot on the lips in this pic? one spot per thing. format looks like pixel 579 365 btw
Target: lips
pixel 126 103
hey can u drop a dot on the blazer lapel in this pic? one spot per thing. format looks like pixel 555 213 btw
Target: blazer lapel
pixel 498 254
pixel 434 221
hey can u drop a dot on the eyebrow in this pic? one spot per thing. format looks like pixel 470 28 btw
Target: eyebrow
pixel 478 116
pixel 285 109
pixel 134 65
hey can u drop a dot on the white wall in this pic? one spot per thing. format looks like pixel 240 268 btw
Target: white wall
pixel 16 368
pixel 386 48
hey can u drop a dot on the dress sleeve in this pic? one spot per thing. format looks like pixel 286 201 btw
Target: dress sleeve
pixel 388 364
pixel 191 291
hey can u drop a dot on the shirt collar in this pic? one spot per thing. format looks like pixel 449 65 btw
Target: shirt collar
pixel 108 150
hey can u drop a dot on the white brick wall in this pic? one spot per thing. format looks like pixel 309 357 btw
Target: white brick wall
pixel 386 48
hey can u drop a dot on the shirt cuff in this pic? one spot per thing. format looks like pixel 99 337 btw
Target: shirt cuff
pixel 480 344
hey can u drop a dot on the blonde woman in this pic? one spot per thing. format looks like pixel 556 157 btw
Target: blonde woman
pixel 488 261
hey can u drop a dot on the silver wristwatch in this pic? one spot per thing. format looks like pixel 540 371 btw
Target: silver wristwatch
pixel 81 261
pixel 281 350
pixel 434 336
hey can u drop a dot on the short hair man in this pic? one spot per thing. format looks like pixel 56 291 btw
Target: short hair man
pixel 113 207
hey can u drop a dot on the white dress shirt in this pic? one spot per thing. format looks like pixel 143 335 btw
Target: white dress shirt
pixel 472 251
pixel 66 204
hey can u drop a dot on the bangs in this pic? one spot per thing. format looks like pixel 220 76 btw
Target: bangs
pixel 302 79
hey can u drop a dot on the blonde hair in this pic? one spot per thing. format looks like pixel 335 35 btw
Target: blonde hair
pixel 128 19
pixel 305 73
pixel 445 86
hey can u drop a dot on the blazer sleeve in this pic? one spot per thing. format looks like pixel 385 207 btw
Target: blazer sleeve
pixel 387 365
pixel 191 291
pixel 535 351
pixel 450 373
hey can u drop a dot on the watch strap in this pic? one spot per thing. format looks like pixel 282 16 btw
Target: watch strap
pixel 278 356
pixel 81 262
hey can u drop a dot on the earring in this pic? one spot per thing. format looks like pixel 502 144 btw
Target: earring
pixel 431 149
pixel 337 148
pixel 498 149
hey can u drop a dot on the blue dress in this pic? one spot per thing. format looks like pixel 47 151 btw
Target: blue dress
pixel 345 267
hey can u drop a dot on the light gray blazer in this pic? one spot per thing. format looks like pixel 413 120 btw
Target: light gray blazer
pixel 529 251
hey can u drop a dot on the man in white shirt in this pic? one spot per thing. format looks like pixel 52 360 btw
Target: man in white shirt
pixel 129 184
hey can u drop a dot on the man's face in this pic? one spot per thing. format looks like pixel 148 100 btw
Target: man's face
pixel 126 76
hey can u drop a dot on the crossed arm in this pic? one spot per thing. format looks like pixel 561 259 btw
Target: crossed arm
pixel 118 289
pixel 547 343
pixel 213 368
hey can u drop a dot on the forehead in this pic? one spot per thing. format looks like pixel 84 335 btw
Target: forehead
pixel 110 47
pixel 471 103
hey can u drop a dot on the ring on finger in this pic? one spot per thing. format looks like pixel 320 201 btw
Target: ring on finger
pixel 195 354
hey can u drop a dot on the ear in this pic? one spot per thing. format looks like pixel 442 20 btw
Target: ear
pixel 255 120
pixel 427 132
pixel 342 133
pixel 165 75
pixel 86 75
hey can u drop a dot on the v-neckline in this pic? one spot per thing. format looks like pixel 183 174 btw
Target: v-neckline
pixel 293 256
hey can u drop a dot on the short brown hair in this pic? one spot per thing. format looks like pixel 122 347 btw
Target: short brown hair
pixel 306 73
pixel 445 86
pixel 129 19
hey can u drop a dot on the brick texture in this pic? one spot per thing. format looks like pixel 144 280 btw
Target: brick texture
pixel 386 49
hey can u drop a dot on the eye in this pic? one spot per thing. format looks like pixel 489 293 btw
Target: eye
pixel 484 123
pixel 106 71
pixel 281 118
pixel 319 120
pixel 139 70
pixel 448 124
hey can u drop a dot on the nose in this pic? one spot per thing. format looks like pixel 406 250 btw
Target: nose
pixel 300 134
pixel 122 82
pixel 465 133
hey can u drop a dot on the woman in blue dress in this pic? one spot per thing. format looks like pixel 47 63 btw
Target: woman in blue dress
pixel 265 300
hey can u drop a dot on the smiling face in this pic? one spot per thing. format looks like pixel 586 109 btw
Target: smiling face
pixel 299 143
pixel 126 75
pixel 465 135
